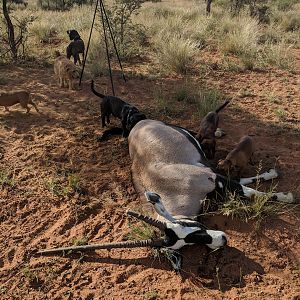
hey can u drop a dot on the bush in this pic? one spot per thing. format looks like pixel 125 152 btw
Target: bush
pixel 208 100
pixel 291 21
pixel 59 4
pixel 44 31
pixel 243 39
pixel 96 60
pixel 286 4
pixel 276 55
pixel 175 53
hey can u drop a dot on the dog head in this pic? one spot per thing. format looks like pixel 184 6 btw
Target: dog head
pixel 127 111
pixel 73 34
pixel 209 147
pixel 133 119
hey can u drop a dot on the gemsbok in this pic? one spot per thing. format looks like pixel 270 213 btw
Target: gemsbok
pixel 170 168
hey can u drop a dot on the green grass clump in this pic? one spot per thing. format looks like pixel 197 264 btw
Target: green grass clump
pixel 63 186
pixel 175 54
pixel 208 100
pixel 140 231
pixel 6 178
pixel 80 241
pixel 258 208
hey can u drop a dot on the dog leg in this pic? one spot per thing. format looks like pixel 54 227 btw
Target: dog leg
pixel 70 83
pixel 103 121
pixel 35 107
pixel 27 108
pixel 76 58
pixel 61 82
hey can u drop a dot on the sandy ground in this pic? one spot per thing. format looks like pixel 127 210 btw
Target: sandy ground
pixel 38 210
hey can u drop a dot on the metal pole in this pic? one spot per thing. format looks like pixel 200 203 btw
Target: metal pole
pixel 113 38
pixel 88 45
pixel 106 46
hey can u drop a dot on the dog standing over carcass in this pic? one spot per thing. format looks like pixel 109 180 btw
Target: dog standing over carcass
pixel 111 105
pixel 207 131
pixel 239 157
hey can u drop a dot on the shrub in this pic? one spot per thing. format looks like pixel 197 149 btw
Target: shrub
pixel 286 4
pixel 291 21
pixel 208 100
pixel 96 60
pixel 243 39
pixel 175 53
pixel 276 55
pixel 44 31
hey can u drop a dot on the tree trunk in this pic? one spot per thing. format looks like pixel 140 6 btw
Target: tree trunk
pixel 10 31
pixel 208 6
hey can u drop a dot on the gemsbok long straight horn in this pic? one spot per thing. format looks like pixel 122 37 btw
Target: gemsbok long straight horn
pixel 127 244
pixel 160 242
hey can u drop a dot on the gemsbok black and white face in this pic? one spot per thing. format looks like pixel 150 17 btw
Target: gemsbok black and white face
pixel 182 231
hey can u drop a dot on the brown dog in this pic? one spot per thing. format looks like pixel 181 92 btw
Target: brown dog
pixel 12 98
pixel 206 133
pixel 66 71
pixel 239 157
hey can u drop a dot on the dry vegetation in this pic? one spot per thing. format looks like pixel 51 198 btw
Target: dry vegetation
pixel 58 186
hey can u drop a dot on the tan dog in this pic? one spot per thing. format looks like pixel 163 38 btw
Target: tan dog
pixel 66 71
pixel 12 98
pixel 239 157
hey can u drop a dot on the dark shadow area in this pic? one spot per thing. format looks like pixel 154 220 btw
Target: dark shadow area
pixel 220 270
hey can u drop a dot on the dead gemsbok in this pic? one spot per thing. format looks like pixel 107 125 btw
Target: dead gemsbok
pixel 168 161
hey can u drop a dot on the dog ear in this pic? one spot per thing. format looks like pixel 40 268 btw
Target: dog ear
pixel 68 31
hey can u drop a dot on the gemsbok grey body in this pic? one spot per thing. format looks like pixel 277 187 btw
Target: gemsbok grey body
pixel 169 168
pixel 169 161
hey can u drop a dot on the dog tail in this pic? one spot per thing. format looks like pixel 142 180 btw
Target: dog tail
pixel 95 92
pixel 222 106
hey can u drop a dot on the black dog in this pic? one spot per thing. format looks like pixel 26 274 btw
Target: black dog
pixel 76 46
pixel 128 114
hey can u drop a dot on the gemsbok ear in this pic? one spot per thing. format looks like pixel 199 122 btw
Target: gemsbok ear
pixel 152 197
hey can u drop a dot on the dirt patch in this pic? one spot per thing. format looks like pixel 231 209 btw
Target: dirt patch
pixel 62 185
